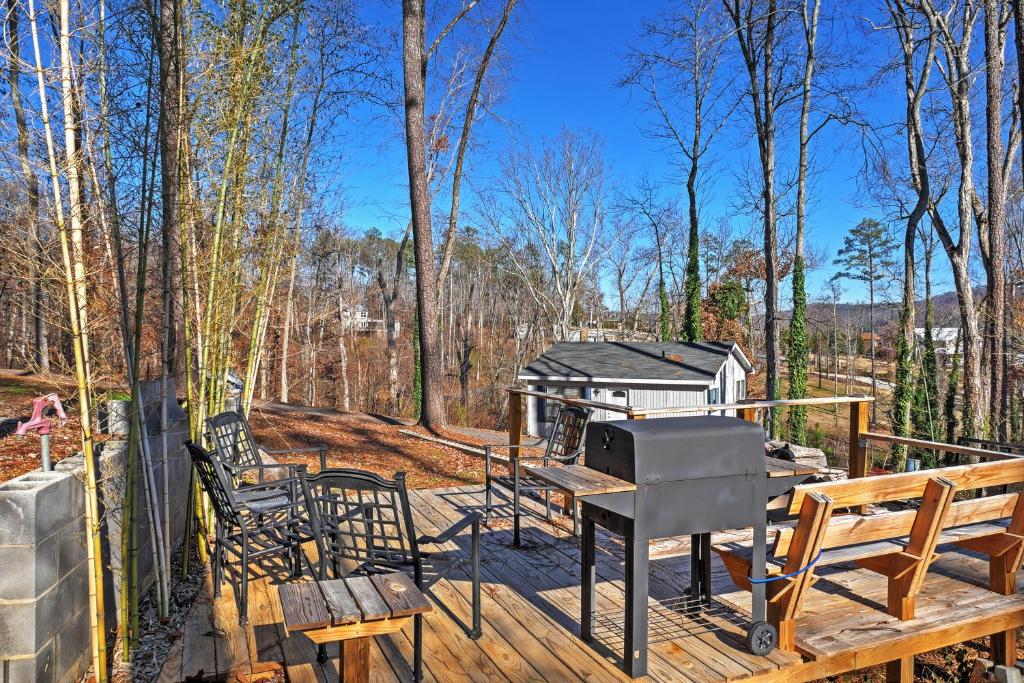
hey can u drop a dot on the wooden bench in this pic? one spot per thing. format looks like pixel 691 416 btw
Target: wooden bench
pixel 899 545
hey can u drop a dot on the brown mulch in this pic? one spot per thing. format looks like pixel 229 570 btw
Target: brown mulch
pixel 17 389
pixel 366 442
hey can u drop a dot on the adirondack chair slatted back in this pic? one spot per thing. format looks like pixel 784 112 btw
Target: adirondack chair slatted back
pixel 211 479
pixel 566 442
pixel 233 440
pixel 364 518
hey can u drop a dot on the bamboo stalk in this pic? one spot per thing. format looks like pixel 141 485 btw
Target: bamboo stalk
pixel 74 280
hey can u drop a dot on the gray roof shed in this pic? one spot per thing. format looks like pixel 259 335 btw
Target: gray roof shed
pixel 633 363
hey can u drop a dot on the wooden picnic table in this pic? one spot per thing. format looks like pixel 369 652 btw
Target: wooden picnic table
pixel 351 611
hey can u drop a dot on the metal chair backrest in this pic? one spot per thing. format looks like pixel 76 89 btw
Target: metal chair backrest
pixel 566 442
pixel 214 481
pixel 233 440
pixel 364 518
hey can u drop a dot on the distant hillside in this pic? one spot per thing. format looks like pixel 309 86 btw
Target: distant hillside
pixel 945 305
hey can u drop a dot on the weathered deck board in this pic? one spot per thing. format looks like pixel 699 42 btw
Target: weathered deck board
pixel 531 605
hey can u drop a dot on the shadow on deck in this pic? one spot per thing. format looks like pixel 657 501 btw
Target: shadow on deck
pixel 531 604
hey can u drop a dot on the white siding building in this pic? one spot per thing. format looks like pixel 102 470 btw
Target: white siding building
pixel 640 375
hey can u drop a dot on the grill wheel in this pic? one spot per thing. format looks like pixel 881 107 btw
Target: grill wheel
pixel 762 638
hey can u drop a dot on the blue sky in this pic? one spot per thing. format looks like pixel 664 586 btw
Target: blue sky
pixel 563 62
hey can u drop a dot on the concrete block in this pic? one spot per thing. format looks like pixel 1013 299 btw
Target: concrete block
pixel 71 550
pixel 42 668
pixel 73 644
pixel 1008 674
pixel 72 592
pixel 36 504
pixel 18 630
pixel 31 569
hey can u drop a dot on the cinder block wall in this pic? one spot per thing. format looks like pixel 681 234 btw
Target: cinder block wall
pixel 44 622
pixel 44 596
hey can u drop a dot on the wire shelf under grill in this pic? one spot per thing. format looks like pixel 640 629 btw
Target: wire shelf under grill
pixel 671 619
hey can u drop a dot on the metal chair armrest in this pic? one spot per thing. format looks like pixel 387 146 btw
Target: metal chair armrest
pixel 451 532
pixel 289 466
pixel 488 446
pixel 303 449
pixel 521 458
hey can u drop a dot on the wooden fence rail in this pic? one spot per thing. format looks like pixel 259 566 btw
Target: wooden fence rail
pixel 749 410
pixel 981 453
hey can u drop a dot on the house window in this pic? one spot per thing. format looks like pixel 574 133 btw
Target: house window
pixel 741 389
pixel 713 396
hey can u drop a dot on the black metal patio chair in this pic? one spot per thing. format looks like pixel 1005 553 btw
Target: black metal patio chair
pixel 269 518
pixel 564 447
pixel 364 525
pixel 236 448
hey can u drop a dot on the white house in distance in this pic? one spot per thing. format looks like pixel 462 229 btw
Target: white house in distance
pixel 944 339
pixel 641 375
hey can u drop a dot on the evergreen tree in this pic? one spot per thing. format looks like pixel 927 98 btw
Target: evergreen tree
pixel 926 391
pixel 664 317
pixel 950 407
pixel 692 330
pixel 797 356
pixel 867 256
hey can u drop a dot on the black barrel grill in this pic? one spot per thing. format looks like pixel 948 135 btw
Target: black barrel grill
pixel 693 475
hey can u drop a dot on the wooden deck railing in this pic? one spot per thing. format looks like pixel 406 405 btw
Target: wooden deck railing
pixel 970 451
pixel 749 409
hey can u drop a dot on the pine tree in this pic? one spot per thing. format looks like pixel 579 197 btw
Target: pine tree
pixel 867 256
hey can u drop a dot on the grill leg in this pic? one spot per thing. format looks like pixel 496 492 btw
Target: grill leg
pixel 587 576
pixel 758 606
pixel 637 570
pixel 700 568
pixel 575 517
pixel 705 567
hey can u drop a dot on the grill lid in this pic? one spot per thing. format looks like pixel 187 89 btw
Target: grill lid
pixel 675 448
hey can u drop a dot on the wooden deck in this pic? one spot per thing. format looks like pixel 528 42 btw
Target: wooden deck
pixel 531 605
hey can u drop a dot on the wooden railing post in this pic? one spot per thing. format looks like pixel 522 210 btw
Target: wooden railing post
pixel 858 466
pixel 748 414
pixel 515 418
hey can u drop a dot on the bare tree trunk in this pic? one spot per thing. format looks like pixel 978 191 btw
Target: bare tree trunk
pixel 287 324
pixel 389 297
pixel 958 74
pixel 169 50
pixel 415 75
pixel 40 338
pixel 915 87
pixel 995 259
pixel 467 126
pixel 758 46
